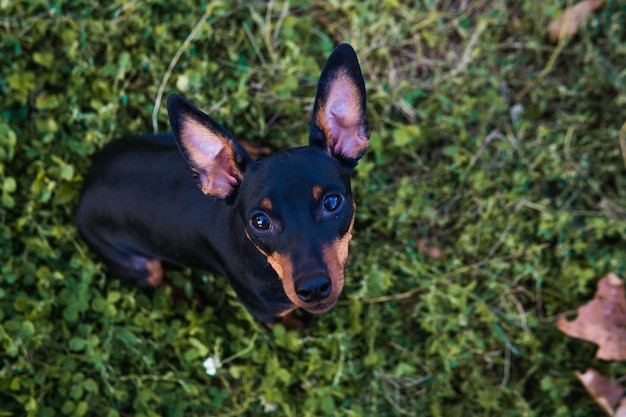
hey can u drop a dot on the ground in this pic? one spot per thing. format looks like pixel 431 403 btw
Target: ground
pixel 492 199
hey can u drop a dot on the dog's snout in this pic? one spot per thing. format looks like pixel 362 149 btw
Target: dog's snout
pixel 313 289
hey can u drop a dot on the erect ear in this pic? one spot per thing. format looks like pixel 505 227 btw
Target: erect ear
pixel 216 158
pixel 339 126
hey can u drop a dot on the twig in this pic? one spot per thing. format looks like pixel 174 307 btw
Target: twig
pixel 551 61
pixel 493 135
pixel 507 368
pixel 461 270
pixel 498 243
pixel 467 54
pixel 622 142
pixel 179 53
pixel 281 18
pixel 385 298
pixel 520 310
pixel 560 44
pixel 252 41
pixel 398 384
pixel 241 352
pixel 170 68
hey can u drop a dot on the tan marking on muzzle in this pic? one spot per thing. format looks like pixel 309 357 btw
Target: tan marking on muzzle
pixel 283 266
pixel 335 256
pixel 255 245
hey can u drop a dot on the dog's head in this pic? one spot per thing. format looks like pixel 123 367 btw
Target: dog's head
pixel 297 205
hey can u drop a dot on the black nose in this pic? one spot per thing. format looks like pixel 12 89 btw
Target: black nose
pixel 313 289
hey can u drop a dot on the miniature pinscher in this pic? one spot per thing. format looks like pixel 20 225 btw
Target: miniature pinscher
pixel 277 228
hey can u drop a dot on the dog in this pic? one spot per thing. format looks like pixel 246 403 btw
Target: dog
pixel 277 228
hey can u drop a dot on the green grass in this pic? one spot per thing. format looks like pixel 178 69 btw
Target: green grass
pixel 492 199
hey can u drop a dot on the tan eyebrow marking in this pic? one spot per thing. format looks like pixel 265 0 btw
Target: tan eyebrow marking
pixel 317 191
pixel 266 203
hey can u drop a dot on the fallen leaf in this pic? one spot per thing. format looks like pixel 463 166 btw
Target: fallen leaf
pixel 621 410
pixel 602 320
pixel 568 23
pixel 603 391
pixel 432 251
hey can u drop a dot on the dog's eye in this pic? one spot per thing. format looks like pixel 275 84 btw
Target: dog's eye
pixel 331 202
pixel 260 221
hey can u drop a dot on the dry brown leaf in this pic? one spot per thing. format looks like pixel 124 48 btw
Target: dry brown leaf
pixel 621 410
pixel 428 249
pixel 602 320
pixel 568 23
pixel 605 393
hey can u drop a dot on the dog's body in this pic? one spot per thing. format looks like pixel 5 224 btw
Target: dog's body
pixel 277 229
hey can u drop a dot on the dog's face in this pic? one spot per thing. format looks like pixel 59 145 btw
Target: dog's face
pixel 296 205
pixel 298 211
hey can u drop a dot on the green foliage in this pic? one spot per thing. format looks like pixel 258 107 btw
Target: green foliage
pixel 492 199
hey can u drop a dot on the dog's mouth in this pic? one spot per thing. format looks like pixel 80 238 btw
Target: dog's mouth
pixel 318 290
pixel 320 307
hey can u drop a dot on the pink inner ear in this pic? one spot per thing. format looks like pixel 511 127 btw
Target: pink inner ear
pixel 211 158
pixel 343 119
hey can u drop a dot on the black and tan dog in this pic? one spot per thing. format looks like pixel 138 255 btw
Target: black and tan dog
pixel 278 228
